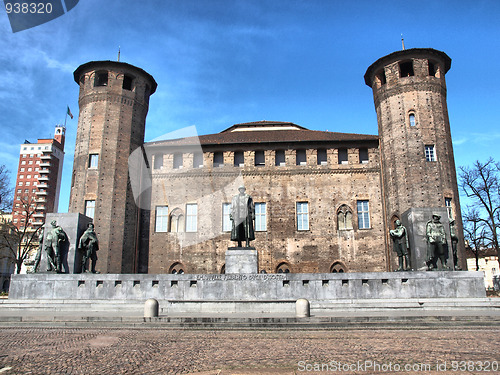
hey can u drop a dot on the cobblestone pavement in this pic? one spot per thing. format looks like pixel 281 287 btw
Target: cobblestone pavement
pixel 223 352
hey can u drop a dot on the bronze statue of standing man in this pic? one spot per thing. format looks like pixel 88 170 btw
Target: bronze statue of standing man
pixel 242 216
pixel 89 245
pixel 436 243
pixel 400 239
pixel 55 236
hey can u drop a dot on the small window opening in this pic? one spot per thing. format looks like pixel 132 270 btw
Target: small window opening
pixel 260 159
pixel 432 69
pixel 178 161
pixel 280 158
pixel 363 155
pixel 101 79
pixel 198 160
pixel 158 161
pixel 343 159
pixel 406 69
pixel 239 159
pixel 127 83
pixel 381 77
pixel 301 157
pixel 411 117
pixel 218 159
pixel 322 159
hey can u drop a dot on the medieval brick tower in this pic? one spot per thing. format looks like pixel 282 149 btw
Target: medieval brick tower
pixel 113 100
pixel 417 163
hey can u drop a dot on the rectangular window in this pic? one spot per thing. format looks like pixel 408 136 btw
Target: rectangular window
pixel 300 157
pixel 447 203
pixel 406 69
pixel 226 220
pixel 90 208
pixel 178 161
pixel 343 158
pixel 280 158
pixel 239 159
pixel 218 159
pixel 363 215
pixel 101 79
pixel 363 155
pixel 260 159
pixel 93 160
pixel 161 224
pixel 430 153
pixel 322 159
pixel 157 161
pixel 260 217
pixel 198 160
pixel 191 217
pixel 127 83
pixel 302 216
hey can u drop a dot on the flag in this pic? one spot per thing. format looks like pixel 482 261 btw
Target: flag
pixel 69 113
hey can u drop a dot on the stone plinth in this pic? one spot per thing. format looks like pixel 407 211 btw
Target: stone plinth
pixel 415 220
pixel 214 288
pixel 74 224
pixel 241 260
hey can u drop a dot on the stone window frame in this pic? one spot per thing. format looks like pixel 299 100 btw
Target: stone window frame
pixel 158 161
pixel 278 160
pixel 198 160
pixel 261 217
pixel 218 159
pixel 161 218
pixel 283 267
pixel 239 158
pixel 191 218
pixel 338 267
pixel 342 215
pixel 93 161
pixel 361 152
pixel 178 160
pixel 412 118
pixel 343 156
pixel 323 159
pixel 300 157
pixel 363 211
pixel 300 215
pixel 226 220
pixel 448 203
pixel 128 82
pixel 90 208
pixel 177 268
pixel 259 158
pixel 176 221
pixel 430 153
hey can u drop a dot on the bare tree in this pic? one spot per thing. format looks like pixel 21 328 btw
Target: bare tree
pixel 481 184
pixel 5 190
pixel 474 232
pixel 22 237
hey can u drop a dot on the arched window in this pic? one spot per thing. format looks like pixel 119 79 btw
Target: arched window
pixel 344 218
pixel 283 267
pixel 176 268
pixel 101 79
pixel 223 269
pixel 338 267
pixel 176 221
pixel 412 119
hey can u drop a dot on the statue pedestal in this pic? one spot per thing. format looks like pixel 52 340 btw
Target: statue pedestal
pixel 241 260
pixel 415 221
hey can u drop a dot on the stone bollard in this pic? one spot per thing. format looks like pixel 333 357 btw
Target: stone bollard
pixel 151 308
pixel 302 309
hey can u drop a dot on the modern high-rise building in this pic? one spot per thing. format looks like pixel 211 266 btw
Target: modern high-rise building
pixel 38 180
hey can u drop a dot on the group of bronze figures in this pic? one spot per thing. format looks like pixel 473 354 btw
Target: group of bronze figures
pixel 242 215
pixel 88 245
pixel 437 245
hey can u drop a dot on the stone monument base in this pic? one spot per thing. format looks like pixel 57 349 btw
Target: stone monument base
pixel 241 260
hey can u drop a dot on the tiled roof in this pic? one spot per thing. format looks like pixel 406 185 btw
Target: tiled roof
pixel 235 135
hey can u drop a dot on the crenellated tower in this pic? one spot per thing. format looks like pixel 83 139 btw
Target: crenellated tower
pixel 418 166
pixel 113 100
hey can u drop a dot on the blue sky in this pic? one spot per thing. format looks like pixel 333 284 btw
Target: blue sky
pixel 223 62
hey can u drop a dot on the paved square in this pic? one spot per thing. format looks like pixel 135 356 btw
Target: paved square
pixel 177 351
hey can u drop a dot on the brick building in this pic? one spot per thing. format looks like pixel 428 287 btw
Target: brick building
pixel 38 179
pixel 324 201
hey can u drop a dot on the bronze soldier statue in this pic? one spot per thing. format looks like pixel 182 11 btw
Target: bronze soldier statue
pixel 38 255
pixel 242 216
pixel 436 244
pixel 89 245
pixel 401 245
pixel 454 243
pixel 55 236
